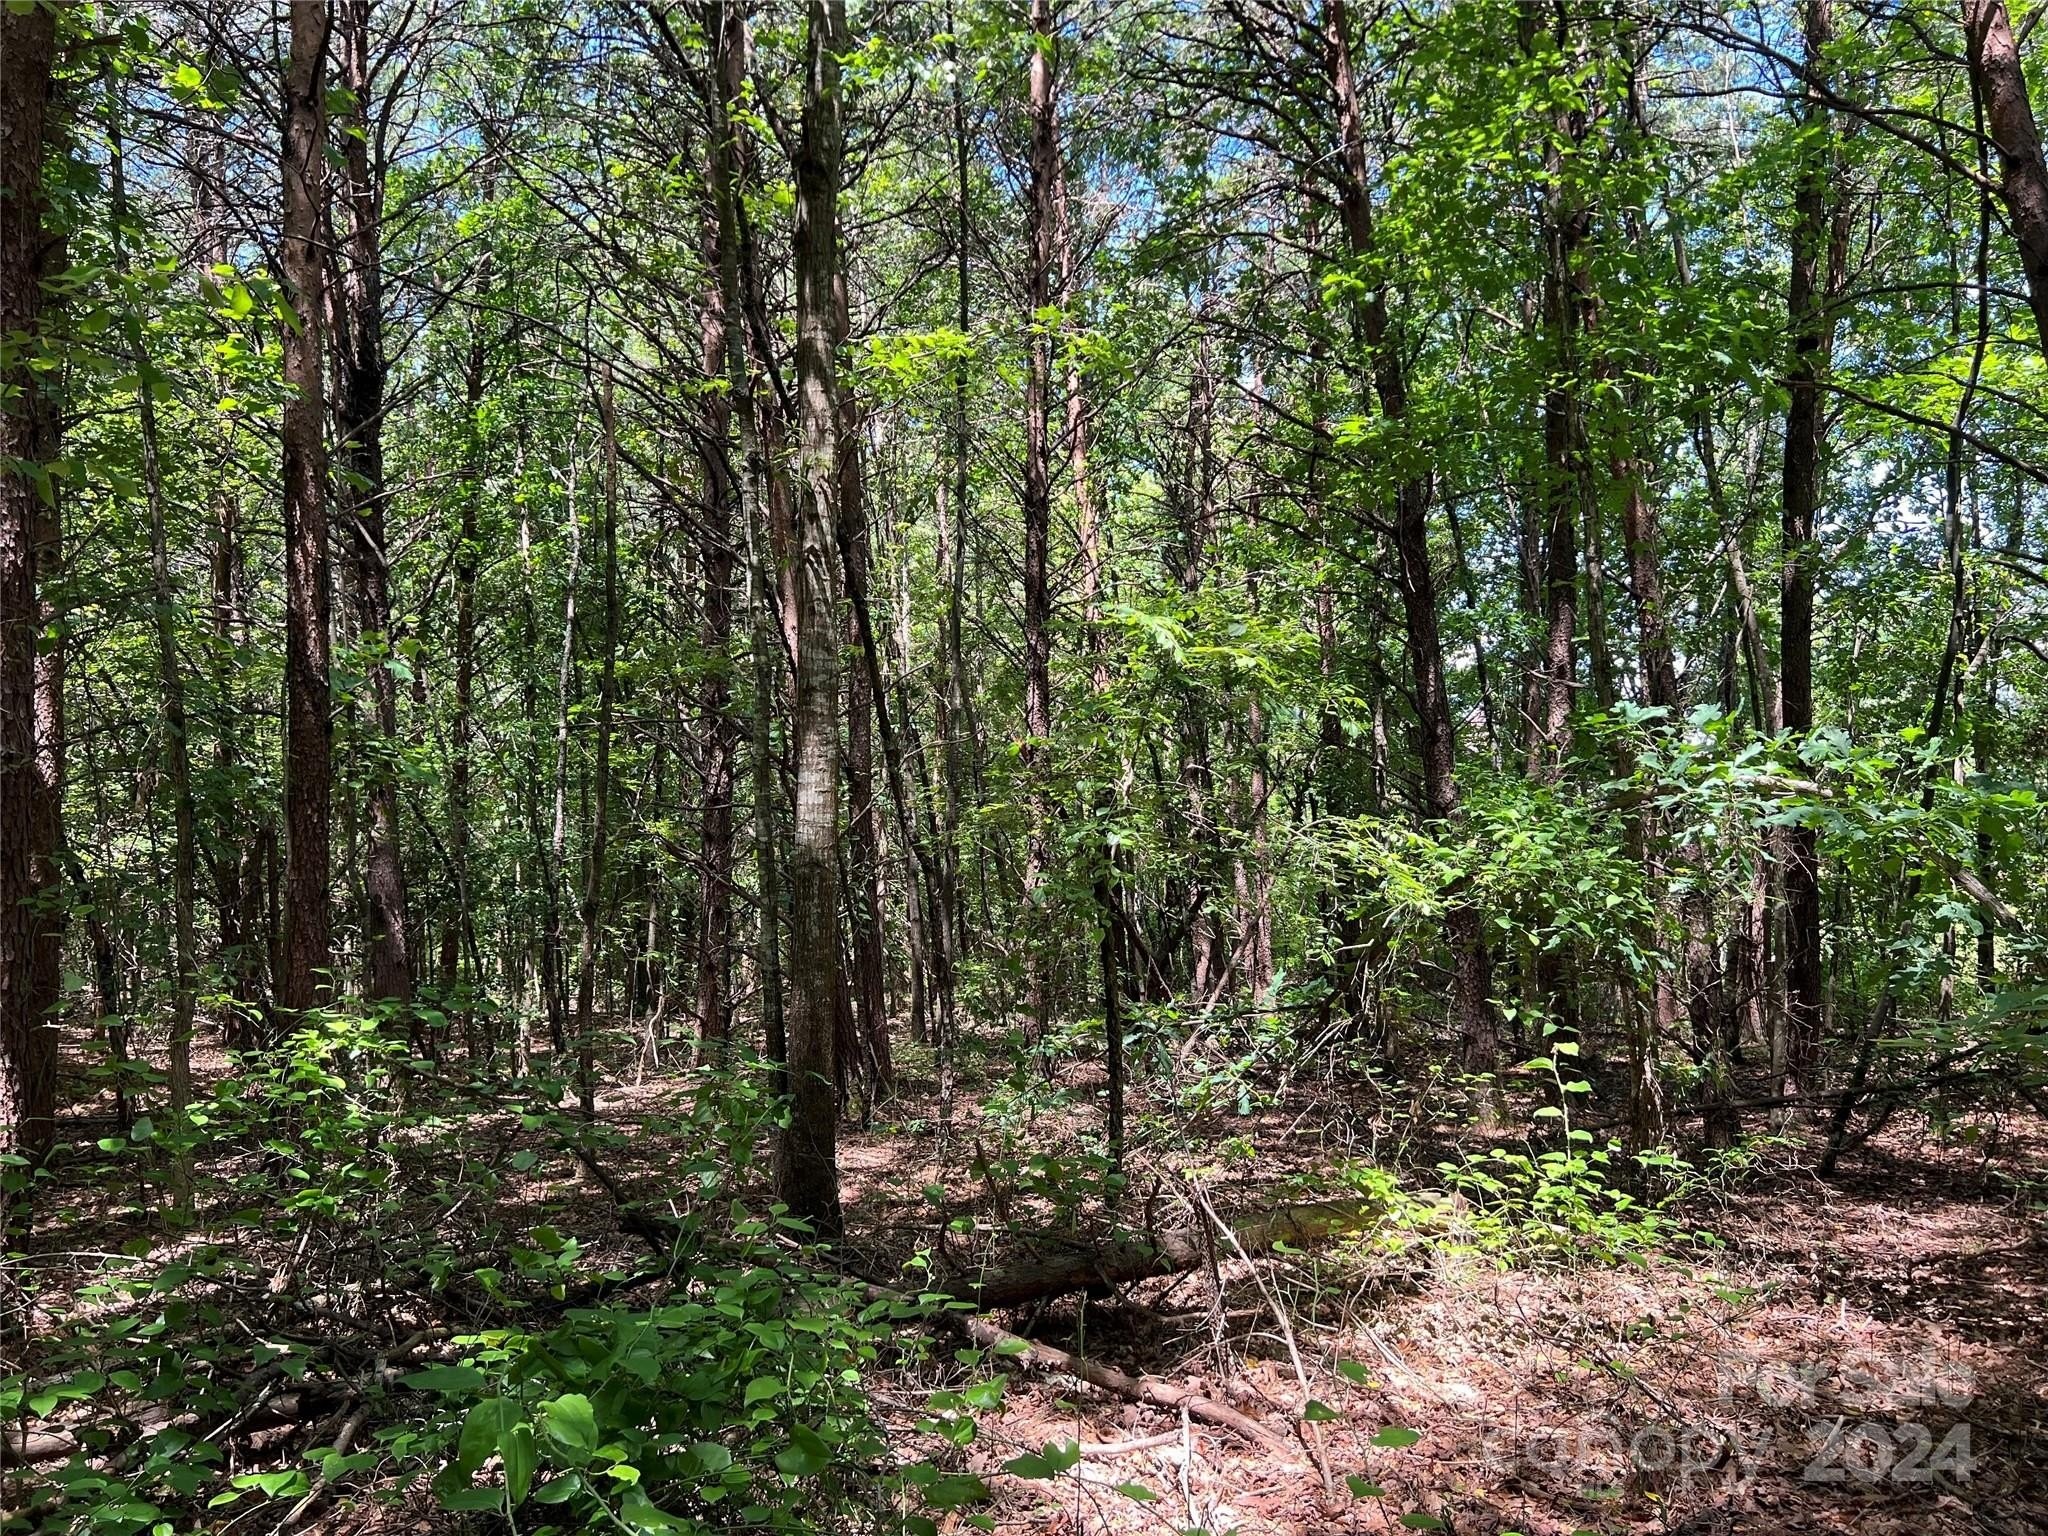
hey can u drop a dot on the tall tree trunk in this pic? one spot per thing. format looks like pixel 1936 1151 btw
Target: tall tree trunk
pixel 27 1037
pixel 725 31
pixel 554 868
pixel 721 724
pixel 306 978
pixel 2001 88
pixel 1087 517
pixel 864 699
pixel 1208 962
pixel 1816 262
pixel 592 909
pixel 177 750
pixel 237 868
pixel 1567 225
pixel 806 1164
pixel 360 406
pixel 1471 1007
pixel 1034 754
pixel 468 554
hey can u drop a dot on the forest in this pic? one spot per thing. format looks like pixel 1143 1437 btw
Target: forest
pixel 1226 767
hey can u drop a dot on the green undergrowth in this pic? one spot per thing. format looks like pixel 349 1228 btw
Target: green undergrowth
pixel 375 1291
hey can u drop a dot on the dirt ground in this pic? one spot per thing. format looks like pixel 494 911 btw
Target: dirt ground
pixel 1866 1354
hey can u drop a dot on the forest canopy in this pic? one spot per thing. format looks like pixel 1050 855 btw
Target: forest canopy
pixel 715 714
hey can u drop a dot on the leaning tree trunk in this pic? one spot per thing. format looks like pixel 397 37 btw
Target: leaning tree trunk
pixel 806 1164
pixel 305 979
pixel 2001 86
pixel 27 1054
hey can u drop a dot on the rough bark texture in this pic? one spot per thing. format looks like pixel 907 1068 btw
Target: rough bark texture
pixel 176 744
pixel 27 1043
pixel 721 724
pixel 462 729
pixel 1041 218
pixel 1816 262
pixel 362 373
pixel 870 1056
pixel 725 31
pixel 308 745
pixel 591 907
pixel 1085 1265
pixel 806 1164
pixel 2001 86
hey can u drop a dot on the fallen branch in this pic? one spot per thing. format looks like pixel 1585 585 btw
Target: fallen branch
pixel 1151 1390
pixel 1103 1449
pixel 1288 1223
pixel 1121 1260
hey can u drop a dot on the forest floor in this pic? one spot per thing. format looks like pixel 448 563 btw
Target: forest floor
pixel 1867 1353
pixel 1781 1354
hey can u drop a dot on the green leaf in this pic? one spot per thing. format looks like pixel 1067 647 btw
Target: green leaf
pixel 571 1423
pixel 559 1490
pixel 482 1428
pixel 1415 1520
pixel 711 1457
pixel 1394 1437
pixel 1361 1489
pixel 1319 1412
pixel 516 1447
pixel 953 1491
pixel 806 1455
pixel 761 1388
pixel 639 1512
pixel 1137 1491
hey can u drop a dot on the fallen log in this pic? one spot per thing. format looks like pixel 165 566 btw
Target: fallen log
pixel 1130 1257
pixel 1030 1354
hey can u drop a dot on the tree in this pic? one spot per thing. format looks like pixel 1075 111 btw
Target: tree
pixel 309 732
pixel 27 1039
pixel 806 1167
pixel 1819 253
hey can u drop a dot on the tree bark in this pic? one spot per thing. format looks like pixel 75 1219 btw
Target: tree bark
pixel 1041 219
pixel 306 978
pixel 721 724
pixel 806 1164
pixel 864 700
pixel 360 408
pixel 2001 86
pixel 1471 1007
pixel 1817 258
pixel 592 908
pixel 462 730
pixel 27 1037
pixel 177 749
